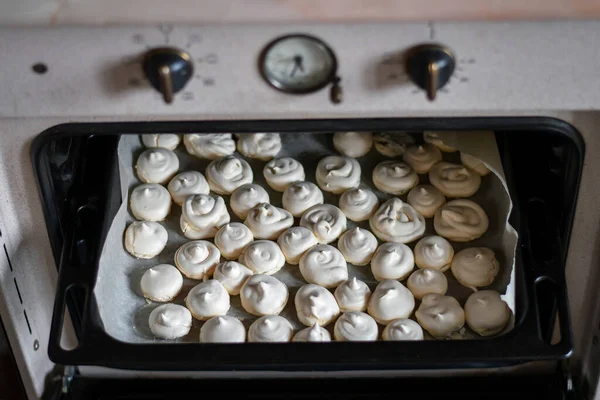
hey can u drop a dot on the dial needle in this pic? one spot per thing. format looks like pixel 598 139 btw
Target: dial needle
pixel 297 66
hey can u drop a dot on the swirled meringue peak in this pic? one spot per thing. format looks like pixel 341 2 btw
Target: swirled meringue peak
pixel 209 145
pixel 268 222
pixel 434 252
pixel 315 305
pixel 337 174
pixel 228 173
pixel 355 326
pixel 358 204
pixel 262 257
pixel 282 172
pixel 324 265
pixel 396 221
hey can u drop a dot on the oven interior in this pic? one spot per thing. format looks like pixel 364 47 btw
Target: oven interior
pixel 77 174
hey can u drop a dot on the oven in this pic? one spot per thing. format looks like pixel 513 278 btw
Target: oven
pixel 78 94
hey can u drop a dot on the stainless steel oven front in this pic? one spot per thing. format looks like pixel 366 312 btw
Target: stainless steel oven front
pixel 532 84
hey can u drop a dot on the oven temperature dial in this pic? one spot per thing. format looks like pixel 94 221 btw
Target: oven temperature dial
pixel 430 67
pixel 168 69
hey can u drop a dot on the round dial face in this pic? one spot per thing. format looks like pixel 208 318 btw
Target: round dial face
pixel 298 64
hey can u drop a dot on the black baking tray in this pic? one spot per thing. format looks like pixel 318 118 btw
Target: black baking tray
pixel 77 174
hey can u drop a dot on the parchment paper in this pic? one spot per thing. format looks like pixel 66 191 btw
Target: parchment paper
pixel 124 311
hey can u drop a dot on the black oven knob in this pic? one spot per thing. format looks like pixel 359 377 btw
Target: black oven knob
pixel 168 69
pixel 429 66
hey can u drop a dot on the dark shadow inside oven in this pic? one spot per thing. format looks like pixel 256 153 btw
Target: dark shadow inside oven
pixel 77 173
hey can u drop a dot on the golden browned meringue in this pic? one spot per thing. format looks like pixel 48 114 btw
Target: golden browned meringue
pixel 426 199
pixel 358 204
pixel 475 266
pixel 461 221
pixel 454 180
pixel 486 313
pixel 422 157
pixel 433 252
pixel 434 138
pixel 394 177
pixel 440 315
pixel 474 163
pixel 425 281
pixel 392 144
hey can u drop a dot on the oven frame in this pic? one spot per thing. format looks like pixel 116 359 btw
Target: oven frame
pixel 513 347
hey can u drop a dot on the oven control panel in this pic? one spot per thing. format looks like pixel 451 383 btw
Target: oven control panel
pixel 297 71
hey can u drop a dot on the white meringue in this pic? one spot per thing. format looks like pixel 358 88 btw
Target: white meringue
pixel 435 139
pixel 282 172
pixel 228 173
pixel 232 276
pixel 357 246
pixel 315 305
pixel 355 326
pixel 157 165
pixel 264 295
pixel 394 177
pixel 396 221
pixel 461 221
pixel 170 321
pixel 324 265
pixel 207 299
pixel 326 222
pixel 296 241
pixel 150 202
pixel 314 333
pixel 353 144
pixel 145 239
pixel 402 329
pixel 474 163
pixel 475 266
pixel 440 315
pixel 204 214
pixel 161 283
pixel 426 199
pixel 392 144
pixel 246 197
pixel 433 252
pixel 223 329
pixel 337 174
pixel 268 222
pixel 422 157
pixel 209 145
pixel 197 259
pixel 352 295
pixel 425 281
pixel 263 146
pixel 358 204
pixel 454 180
pixel 168 141
pixel 262 257
pixel 392 261
pixel 486 313
pixel 186 184
pixel 300 196
pixel 270 328
pixel 390 300
pixel 232 238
